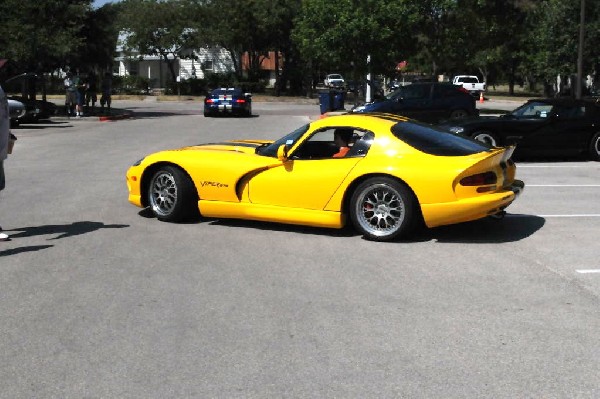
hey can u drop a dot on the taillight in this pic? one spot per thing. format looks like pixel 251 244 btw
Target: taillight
pixel 240 100
pixel 210 100
pixel 480 179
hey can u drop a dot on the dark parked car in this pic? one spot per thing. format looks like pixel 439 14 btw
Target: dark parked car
pixel 226 101
pixel 17 111
pixel 36 110
pixel 554 126
pixel 426 102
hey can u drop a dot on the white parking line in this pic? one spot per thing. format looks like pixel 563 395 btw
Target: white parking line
pixel 588 271
pixel 520 165
pixel 588 215
pixel 583 215
pixel 562 185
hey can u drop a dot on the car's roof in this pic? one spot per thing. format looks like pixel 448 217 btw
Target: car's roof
pixel 373 120
pixel 227 90
pixel 567 101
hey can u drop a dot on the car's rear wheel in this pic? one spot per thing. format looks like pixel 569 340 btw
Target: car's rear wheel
pixel 595 147
pixel 486 137
pixel 459 114
pixel 383 209
pixel 172 195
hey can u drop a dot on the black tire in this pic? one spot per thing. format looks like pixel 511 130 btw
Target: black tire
pixel 383 209
pixel 595 147
pixel 207 114
pixel 459 114
pixel 486 137
pixel 172 195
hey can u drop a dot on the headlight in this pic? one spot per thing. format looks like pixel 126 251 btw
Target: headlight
pixel 456 129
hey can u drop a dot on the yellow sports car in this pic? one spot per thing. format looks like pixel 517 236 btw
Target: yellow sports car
pixel 395 174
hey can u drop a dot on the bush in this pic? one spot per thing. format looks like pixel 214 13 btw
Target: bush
pixel 130 84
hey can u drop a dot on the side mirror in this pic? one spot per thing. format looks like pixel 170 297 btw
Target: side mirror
pixel 282 152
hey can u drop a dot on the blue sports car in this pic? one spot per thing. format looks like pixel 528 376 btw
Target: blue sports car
pixel 225 101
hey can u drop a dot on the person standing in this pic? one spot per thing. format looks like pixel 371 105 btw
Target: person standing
pixel 70 94
pixel 106 87
pixel 91 90
pixel 80 87
pixel 4 137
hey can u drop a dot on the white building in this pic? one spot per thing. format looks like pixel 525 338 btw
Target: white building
pixel 153 67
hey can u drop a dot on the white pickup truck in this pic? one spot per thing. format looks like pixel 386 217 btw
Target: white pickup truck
pixel 470 83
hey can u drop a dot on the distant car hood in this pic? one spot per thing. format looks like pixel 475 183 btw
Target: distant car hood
pixel 243 146
pixel 471 120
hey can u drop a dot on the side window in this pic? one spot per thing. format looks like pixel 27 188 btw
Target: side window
pixel 322 144
pixel 444 91
pixel 574 112
pixel 415 92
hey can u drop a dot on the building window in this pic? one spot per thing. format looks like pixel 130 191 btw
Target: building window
pixel 207 65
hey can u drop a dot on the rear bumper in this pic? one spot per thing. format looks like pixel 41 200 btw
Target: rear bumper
pixel 469 209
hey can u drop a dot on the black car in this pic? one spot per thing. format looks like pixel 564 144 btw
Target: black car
pixel 36 110
pixel 554 126
pixel 426 102
pixel 224 101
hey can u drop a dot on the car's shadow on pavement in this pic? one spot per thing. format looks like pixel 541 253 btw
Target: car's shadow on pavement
pixel 513 227
pixel 63 230
pixel 43 124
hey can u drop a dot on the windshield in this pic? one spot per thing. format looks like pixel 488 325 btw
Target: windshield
pixel 533 109
pixel 270 150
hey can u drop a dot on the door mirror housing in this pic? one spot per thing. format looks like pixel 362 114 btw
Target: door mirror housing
pixel 282 152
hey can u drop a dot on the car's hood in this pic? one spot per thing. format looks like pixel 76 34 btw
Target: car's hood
pixel 471 120
pixel 242 146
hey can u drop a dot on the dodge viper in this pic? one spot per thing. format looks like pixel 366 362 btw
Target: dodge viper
pixel 397 174
pixel 549 127
pixel 228 100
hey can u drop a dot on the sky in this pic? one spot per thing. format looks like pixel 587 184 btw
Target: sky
pixel 100 3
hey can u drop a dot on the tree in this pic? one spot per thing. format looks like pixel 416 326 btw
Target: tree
pixel 338 36
pixel 42 35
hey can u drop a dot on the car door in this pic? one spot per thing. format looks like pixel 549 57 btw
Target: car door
pixel 570 130
pixel 414 101
pixel 308 179
pixel 446 98
pixel 527 128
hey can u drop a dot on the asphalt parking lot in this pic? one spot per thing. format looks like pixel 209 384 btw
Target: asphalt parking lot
pixel 99 300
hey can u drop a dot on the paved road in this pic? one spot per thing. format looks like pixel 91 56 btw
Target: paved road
pixel 98 300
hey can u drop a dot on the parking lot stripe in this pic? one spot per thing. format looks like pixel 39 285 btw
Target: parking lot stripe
pixel 520 165
pixel 588 215
pixel 563 185
pixel 588 271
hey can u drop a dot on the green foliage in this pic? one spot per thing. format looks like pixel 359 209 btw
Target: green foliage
pixel 338 36
pixel 42 35
pixel 130 84
pixel 499 40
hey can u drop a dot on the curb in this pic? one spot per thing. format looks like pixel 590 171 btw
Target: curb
pixel 109 118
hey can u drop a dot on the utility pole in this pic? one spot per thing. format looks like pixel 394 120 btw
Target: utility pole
pixel 368 88
pixel 580 51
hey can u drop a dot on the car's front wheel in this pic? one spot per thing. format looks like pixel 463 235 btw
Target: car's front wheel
pixel 595 147
pixel 172 195
pixel 486 137
pixel 383 209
